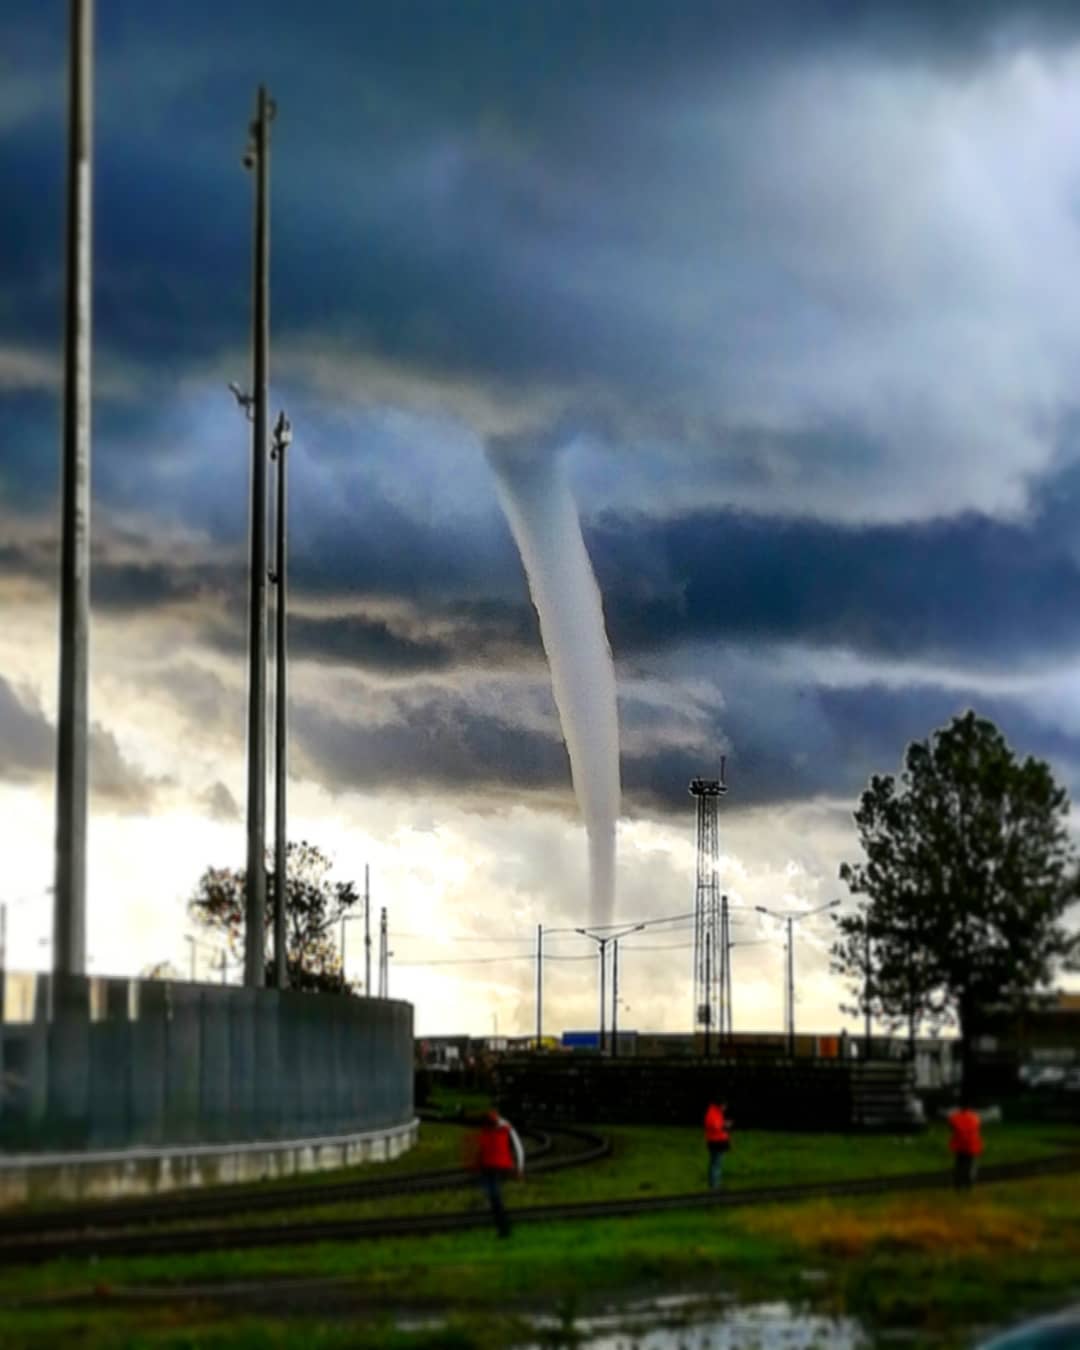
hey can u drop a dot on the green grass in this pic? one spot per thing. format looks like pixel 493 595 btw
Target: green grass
pixel 667 1160
pixel 935 1263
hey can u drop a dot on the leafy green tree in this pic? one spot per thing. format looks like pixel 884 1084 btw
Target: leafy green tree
pixel 314 907
pixel 968 875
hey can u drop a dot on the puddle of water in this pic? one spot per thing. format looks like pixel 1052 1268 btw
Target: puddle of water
pixel 684 1324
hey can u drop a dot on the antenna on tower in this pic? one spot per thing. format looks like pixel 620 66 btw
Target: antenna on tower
pixel 712 955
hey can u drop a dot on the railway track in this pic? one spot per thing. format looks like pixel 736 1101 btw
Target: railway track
pixel 32 1248
pixel 545 1151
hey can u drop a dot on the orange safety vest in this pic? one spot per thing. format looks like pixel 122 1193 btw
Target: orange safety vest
pixel 966 1136
pixel 496 1153
pixel 715 1127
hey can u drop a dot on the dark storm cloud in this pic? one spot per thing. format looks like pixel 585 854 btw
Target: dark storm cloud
pixel 976 591
pixel 354 640
pixel 436 743
pixel 785 744
pixel 418 146
pixel 981 594
pixel 28 755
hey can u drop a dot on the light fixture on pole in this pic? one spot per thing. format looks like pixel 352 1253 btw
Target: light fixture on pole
pixel 791 917
pixel 602 941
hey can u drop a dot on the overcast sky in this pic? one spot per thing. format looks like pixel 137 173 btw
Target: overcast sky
pixel 793 289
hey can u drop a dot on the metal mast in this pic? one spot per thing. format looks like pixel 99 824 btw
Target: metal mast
pixel 282 440
pixel 69 899
pixel 710 957
pixel 384 958
pixel 258 158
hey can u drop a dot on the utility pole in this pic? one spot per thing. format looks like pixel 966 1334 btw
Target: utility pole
pixel 281 442
pixel 790 919
pixel 69 899
pixel 791 987
pixel 367 932
pixel 867 992
pixel 539 983
pixel 258 158
pixel 615 999
pixel 384 964
pixel 708 985
pixel 601 945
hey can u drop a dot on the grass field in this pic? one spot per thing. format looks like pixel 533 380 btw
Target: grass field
pixel 671 1160
pixel 935 1264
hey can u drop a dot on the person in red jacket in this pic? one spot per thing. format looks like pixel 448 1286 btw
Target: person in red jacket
pixel 717 1140
pixel 497 1155
pixel 965 1143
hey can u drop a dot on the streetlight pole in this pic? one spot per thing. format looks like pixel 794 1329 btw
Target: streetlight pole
pixel 258 158
pixel 867 992
pixel 539 983
pixel 282 440
pixel 602 941
pixel 69 900
pixel 367 931
pixel 615 999
pixel 791 918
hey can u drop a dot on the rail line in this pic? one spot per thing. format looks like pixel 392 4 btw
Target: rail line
pixel 46 1247
pixel 542 1156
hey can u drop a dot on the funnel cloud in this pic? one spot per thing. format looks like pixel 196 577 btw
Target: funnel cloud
pixel 544 521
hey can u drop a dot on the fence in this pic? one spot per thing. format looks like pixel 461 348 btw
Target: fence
pixel 89 1063
pixel 768 1094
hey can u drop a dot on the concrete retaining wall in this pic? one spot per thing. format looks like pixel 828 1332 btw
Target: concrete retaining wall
pixel 29 1177
pixel 97 1064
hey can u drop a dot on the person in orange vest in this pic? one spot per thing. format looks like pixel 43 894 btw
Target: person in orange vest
pixel 965 1143
pixel 717 1140
pixel 498 1154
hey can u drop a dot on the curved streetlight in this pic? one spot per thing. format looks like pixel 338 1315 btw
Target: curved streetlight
pixel 791 917
pixel 602 941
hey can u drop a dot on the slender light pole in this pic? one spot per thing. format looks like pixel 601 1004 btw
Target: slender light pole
pixel 601 949
pixel 69 899
pixel 281 442
pixel 615 999
pixel 367 932
pixel 258 158
pixel 867 992
pixel 539 983
pixel 790 918
pixel 708 985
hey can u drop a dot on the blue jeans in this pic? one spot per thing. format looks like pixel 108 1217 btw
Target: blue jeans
pixel 491 1183
pixel 716 1165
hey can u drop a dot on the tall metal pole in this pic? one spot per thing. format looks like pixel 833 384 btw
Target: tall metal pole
pixel 367 933
pixel 539 983
pixel 282 440
pixel 791 986
pixel 69 899
pixel 615 999
pixel 258 157
pixel 867 993
pixel 602 946
pixel 384 963
pixel 708 978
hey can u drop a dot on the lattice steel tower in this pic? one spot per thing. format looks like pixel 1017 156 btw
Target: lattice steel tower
pixel 712 945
